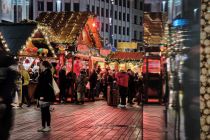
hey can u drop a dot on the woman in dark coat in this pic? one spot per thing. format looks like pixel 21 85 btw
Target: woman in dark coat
pixel 81 87
pixel 93 81
pixel 45 95
pixel 62 85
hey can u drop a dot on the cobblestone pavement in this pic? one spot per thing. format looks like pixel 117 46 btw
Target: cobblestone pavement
pixel 91 121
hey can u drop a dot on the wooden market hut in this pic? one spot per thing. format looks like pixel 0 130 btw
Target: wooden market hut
pixel 72 28
pixel 153 27
pixel 125 58
pixel 76 32
pixel 26 39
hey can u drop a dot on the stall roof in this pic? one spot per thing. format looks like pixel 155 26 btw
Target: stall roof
pixel 152 49
pixel 126 56
pixel 153 27
pixel 16 35
pixel 66 27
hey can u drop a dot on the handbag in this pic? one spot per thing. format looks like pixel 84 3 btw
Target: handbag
pixel 55 87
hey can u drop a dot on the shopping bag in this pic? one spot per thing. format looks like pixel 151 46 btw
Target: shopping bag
pixel 55 87
pixel 88 85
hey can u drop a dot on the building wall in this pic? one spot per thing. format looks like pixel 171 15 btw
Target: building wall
pixel 175 9
pixel 155 5
pixel 96 6
pixel 0 10
pixel 12 15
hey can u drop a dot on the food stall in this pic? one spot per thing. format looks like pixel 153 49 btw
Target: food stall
pixel 78 33
pixel 153 72
pixel 125 60
pixel 30 44
pixel 37 48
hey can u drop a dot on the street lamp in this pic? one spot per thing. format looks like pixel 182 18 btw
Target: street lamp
pixel 111 23
pixel 164 5
pixel 58 5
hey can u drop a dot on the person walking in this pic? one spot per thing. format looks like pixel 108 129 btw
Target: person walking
pixel 8 76
pixel 122 80
pixel 25 82
pixel 81 87
pixel 62 85
pixel 93 81
pixel 45 94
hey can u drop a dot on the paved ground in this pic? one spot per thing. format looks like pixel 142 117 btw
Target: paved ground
pixel 154 123
pixel 92 121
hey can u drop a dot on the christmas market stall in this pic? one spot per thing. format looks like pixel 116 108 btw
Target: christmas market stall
pixel 76 36
pixel 30 45
pixel 126 60
pixel 153 71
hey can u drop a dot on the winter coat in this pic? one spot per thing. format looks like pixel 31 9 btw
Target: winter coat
pixel 70 79
pixel 122 79
pixel 26 77
pixel 62 79
pixel 44 87
pixel 81 83
pixel 93 80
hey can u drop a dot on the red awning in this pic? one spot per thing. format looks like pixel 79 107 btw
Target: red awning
pixel 127 56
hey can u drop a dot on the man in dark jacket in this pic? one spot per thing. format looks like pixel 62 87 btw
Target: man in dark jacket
pixel 62 85
pixel 131 87
pixel 8 75
pixel 71 79
pixel 93 81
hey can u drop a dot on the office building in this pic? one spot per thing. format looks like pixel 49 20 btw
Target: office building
pixel 119 20
pixel 14 10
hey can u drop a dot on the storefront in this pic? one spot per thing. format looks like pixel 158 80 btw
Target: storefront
pixel 126 60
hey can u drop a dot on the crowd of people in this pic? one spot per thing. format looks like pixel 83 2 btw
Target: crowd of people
pixel 86 84
pixel 91 85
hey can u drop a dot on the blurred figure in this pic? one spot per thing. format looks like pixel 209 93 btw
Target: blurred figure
pixel 45 95
pixel 25 82
pixel 122 81
pixel 139 88
pixel 81 86
pixel 104 84
pixel 71 79
pixel 62 85
pixel 131 87
pixel 93 81
pixel 19 88
pixel 8 75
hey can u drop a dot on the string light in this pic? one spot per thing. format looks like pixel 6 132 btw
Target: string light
pixel 30 39
pixel 65 29
pixel 6 48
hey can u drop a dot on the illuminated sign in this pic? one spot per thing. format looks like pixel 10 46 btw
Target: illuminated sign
pixel 180 22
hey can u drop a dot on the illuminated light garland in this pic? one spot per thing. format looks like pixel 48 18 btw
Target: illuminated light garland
pixel 39 29
pixel 4 43
pixel 63 27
